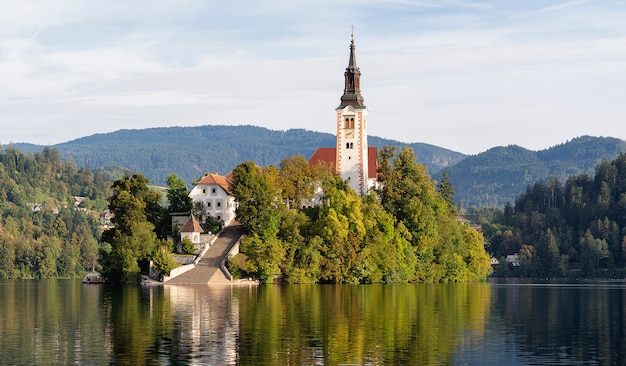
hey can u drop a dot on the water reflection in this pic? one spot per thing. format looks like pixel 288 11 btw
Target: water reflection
pixel 512 323
pixel 278 325
pixel 206 322
pixel 564 323
pixel 376 324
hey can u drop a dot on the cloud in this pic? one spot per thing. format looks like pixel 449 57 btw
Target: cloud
pixel 459 74
pixel 563 5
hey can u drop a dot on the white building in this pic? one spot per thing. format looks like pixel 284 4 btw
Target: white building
pixel 214 192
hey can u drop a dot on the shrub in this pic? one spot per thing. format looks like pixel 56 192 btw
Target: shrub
pixel 162 260
pixel 187 246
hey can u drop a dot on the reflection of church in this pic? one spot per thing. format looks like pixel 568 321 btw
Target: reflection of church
pixel 352 158
pixel 205 320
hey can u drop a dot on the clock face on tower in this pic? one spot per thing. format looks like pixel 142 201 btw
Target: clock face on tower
pixel 350 133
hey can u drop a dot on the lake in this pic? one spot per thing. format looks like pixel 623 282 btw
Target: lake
pixel 500 322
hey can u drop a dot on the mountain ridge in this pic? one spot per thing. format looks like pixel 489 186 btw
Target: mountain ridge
pixel 491 178
pixel 190 152
pixel 500 174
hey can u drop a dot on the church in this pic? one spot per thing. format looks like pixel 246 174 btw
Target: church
pixel 351 158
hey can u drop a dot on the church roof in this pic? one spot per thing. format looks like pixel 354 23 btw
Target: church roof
pixel 214 178
pixel 327 155
pixel 191 226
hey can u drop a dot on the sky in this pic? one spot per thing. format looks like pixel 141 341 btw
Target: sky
pixel 459 74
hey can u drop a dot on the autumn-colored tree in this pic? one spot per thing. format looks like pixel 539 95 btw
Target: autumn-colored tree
pixel 296 182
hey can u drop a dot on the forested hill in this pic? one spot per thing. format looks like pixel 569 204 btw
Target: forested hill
pixel 491 178
pixel 45 230
pixel 189 152
pixel 501 174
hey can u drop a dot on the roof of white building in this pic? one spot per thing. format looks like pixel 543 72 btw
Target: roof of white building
pixel 191 226
pixel 215 178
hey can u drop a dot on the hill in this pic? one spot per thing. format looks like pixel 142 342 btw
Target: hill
pixel 491 178
pixel 500 174
pixel 189 152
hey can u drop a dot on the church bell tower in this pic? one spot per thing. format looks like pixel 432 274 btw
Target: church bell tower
pixel 351 158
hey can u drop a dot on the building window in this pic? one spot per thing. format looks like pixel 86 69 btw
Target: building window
pixel 213 190
pixel 349 122
pixel 203 190
pixel 219 204
pixel 208 204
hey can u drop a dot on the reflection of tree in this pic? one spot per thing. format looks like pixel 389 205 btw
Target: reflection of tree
pixel 569 323
pixel 51 322
pixel 391 324
pixel 141 325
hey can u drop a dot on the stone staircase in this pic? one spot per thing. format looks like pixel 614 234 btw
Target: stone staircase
pixel 208 270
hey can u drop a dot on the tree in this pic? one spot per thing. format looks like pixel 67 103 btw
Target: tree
pixel 260 211
pixel 132 238
pixel 177 195
pixel 256 194
pixel 592 252
pixel 162 260
pixel 549 259
pixel 444 250
pixel 446 191
pixel 296 181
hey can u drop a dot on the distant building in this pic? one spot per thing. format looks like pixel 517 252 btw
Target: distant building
pixel 105 218
pixel 351 158
pixel 513 260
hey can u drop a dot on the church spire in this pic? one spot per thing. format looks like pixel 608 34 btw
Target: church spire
pixel 352 91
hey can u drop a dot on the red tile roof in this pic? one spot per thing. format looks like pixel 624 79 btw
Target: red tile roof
pixel 191 226
pixel 324 155
pixel 215 178
pixel 327 156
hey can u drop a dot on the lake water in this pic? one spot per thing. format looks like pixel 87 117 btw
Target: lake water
pixel 510 322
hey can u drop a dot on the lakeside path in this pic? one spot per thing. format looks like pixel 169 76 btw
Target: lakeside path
pixel 208 269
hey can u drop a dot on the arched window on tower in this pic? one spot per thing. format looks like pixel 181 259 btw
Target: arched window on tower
pixel 348 122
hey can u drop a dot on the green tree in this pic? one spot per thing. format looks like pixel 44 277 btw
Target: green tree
pixel 444 250
pixel 593 251
pixel 163 261
pixel 257 194
pixel 7 257
pixel 132 238
pixel 177 195
pixel 446 191
pixel 339 223
pixel 549 258
pixel 187 246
